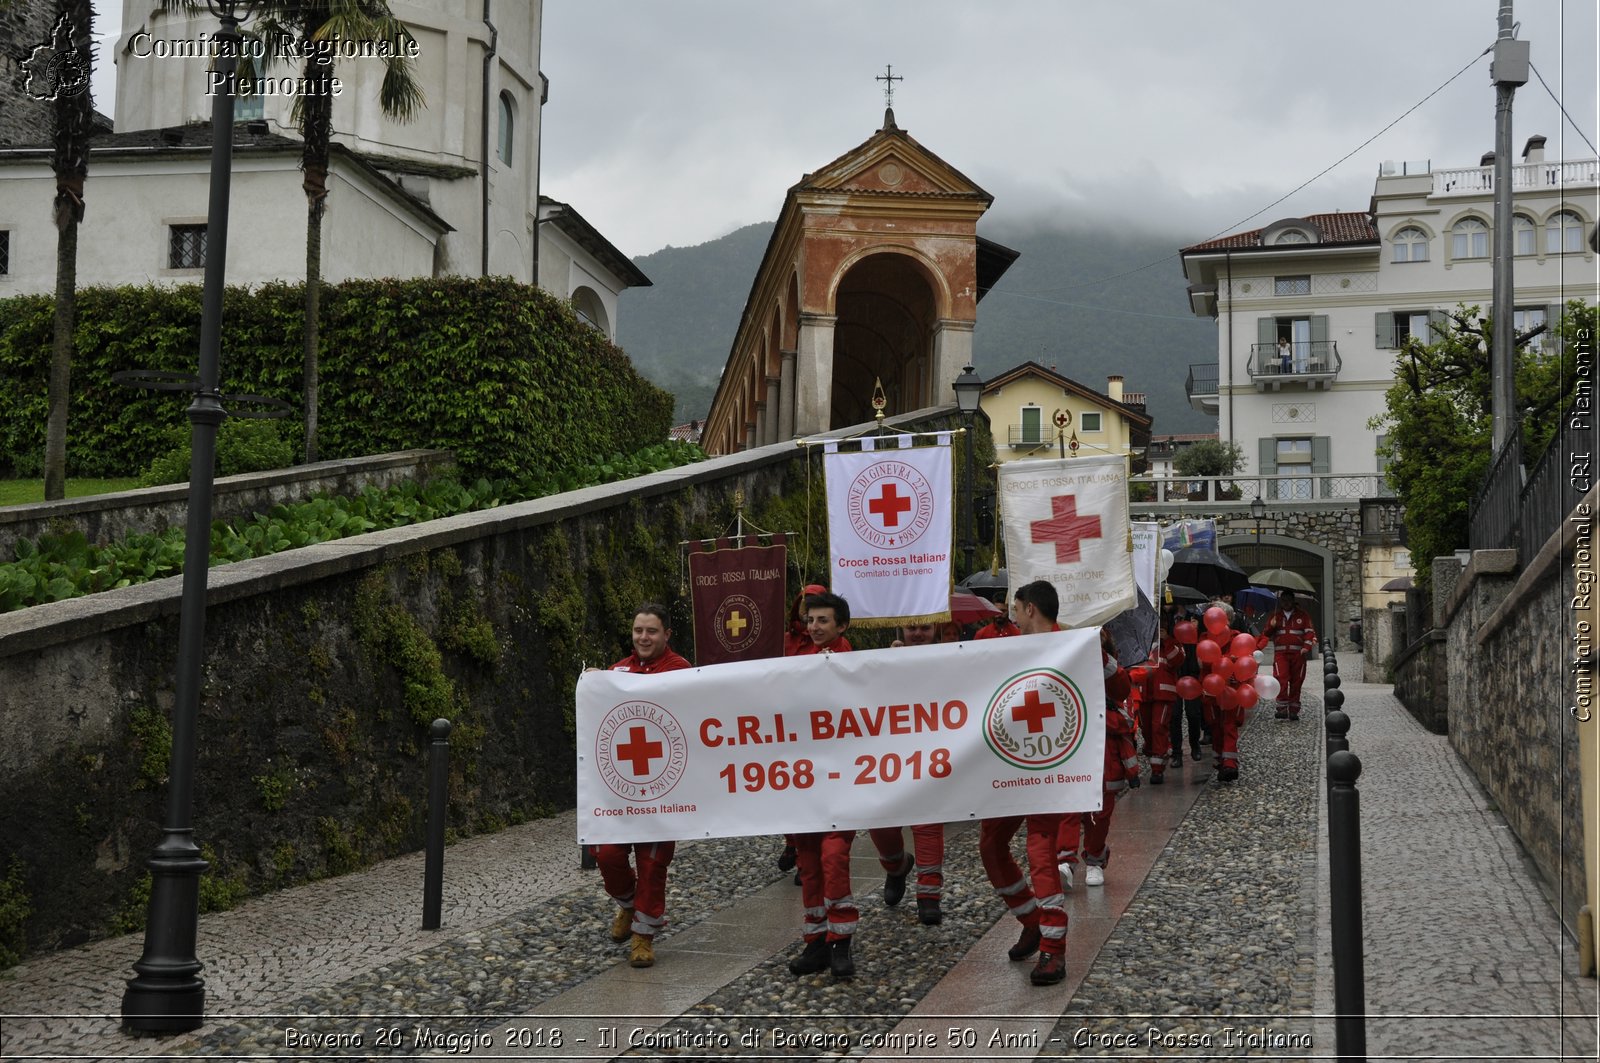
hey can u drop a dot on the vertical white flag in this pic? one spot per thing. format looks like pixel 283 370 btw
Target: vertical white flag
pixel 889 530
pixel 1146 556
pixel 1066 521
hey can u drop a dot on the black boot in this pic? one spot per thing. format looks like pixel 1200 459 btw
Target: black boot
pixel 813 959
pixel 839 960
pixel 929 912
pixel 894 883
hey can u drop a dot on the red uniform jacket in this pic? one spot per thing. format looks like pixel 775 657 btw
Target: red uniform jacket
pixel 1288 631
pixel 669 661
pixel 838 645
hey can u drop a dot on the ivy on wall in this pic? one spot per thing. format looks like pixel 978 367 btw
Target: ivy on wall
pixel 503 374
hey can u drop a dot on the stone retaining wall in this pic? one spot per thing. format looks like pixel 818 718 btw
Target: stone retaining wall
pixel 106 518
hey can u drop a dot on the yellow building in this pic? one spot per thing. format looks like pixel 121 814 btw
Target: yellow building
pixel 1023 403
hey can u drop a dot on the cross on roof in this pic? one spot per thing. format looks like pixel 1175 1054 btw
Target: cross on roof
pixel 888 77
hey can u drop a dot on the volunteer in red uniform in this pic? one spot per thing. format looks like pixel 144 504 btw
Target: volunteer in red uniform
pixel 1222 713
pixel 795 640
pixel 824 856
pixel 1090 829
pixel 1036 899
pixel 1160 699
pixel 1292 635
pixel 641 894
pixel 927 839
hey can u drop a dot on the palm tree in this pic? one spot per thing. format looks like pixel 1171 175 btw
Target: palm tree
pixel 74 123
pixel 311 29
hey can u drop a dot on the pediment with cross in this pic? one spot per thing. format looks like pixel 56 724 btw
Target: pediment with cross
pixel 892 162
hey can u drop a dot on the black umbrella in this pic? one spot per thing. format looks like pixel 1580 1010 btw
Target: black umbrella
pixel 1206 570
pixel 983 583
pixel 1182 594
pixel 1134 631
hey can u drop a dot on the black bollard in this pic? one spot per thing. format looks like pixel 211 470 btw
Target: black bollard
pixel 1330 666
pixel 1344 888
pixel 1330 680
pixel 438 791
pixel 1333 700
pixel 1337 725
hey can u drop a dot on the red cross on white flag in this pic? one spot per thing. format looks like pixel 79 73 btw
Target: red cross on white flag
pixel 1066 521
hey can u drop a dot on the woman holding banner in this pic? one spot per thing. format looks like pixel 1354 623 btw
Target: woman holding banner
pixel 641 890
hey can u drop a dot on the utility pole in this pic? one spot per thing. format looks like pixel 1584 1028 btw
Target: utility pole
pixel 1508 70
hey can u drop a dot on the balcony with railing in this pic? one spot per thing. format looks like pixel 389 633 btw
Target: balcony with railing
pixel 1305 363
pixel 1525 177
pixel 1201 386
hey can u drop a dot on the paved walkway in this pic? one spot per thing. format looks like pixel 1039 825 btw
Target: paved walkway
pixel 1465 958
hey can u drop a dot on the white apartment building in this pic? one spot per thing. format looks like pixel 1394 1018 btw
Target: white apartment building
pixel 1311 311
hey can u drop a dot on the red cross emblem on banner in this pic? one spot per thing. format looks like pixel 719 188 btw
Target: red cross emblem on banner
pixel 1066 529
pixel 890 506
pixel 640 750
pixel 1033 712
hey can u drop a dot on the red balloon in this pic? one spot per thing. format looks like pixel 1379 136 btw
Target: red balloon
pixel 1207 651
pixel 1245 668
pixel 1224 668
pixel 1213 684
pixel 1247 695
pixel 1228 699
pixel 1242 645
pixel 1188 688
pixel 1186 632
pixel 1216 620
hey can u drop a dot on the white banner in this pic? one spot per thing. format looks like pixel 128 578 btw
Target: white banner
pixel 889 530
pixel 1066 521
pixel 1146 556
pixel 875 738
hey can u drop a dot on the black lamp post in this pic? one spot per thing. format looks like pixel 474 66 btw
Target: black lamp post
pixel 168 995
pixel 969 395
pixel 1258 510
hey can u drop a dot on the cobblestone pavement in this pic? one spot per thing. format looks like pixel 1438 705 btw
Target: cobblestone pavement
pixel 1222 951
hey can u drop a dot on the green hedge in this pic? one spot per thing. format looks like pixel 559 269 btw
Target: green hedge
pixel 501 373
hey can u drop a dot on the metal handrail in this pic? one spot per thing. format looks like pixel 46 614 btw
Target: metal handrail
pixel 1321 358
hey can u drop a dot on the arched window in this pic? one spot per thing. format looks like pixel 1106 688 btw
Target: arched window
pixel 1469 239
pixel 507 129
pixel 1563 233
pixel 1411 245
pixel 1522 234
pixel 1292 236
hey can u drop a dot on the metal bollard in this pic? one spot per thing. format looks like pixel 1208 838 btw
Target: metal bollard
pixel 1333 700
pixel 1330 666
pixel 438 792
pixel 1337 725
pixel 1330 680
pixel 1344 887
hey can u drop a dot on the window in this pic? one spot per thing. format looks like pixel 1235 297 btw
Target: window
pixel 1469 239
pixel 1527 318
pixel 247 108
pixel 1294 468
pixel 1394 326
pixel 1292 236
pixel 1411 245
pixel 186 249
pixel 5 252
pixel 1031 420
pixel 507 130
pixel 1089 422
pixel 1292 285
pixel 1563 233
pixel 1523 234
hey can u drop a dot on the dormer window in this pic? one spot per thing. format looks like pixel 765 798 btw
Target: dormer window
pixel 1291 236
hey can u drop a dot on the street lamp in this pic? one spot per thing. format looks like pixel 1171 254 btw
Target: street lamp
pixel 1258 510
pixel 969 394
pixel 168 996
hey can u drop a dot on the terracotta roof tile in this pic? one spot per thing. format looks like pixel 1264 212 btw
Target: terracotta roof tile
pixel 1342 227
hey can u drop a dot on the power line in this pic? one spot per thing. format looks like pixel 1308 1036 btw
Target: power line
pixel 1325 171
pixel 1560 108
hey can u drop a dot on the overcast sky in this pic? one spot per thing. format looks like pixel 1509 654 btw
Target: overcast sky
pixel 677 121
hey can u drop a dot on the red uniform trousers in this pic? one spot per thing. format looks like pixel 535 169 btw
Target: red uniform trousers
pixel 1088 831
pixel 1224 725
pixel 1289 669
pixel 927 844
pixel 644 892
pixel 823 860
pixel 1043 905
pixel 1155 720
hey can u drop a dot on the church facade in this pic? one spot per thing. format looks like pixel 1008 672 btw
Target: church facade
pixel 873 273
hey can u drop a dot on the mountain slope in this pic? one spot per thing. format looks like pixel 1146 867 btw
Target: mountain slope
pixel 1054 306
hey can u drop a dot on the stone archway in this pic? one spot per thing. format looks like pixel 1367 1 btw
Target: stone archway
pixel 886 312
pixel 1315 563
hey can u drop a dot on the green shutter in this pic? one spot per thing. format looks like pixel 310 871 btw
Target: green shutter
pixel 1030 424
pixel 1267 455
pixel 1384 326
pixel 1321 462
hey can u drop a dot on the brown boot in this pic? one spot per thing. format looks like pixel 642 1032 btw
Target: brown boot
pixel 622 925
pixel 1050 969
pixel 643 952
pixel 1027 944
